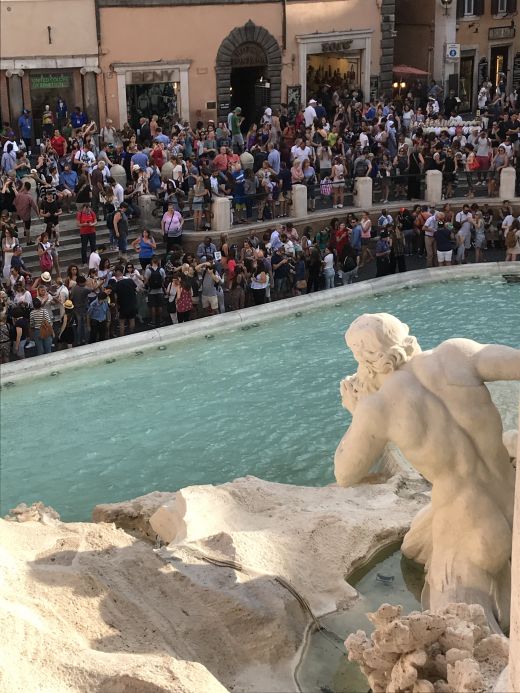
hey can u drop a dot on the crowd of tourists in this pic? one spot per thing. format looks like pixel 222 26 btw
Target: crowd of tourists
pixel 108 299
pixel 329 143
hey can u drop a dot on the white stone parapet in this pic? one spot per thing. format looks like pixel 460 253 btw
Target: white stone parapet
pixel 363 192
pixel 433 193
pixel 507 183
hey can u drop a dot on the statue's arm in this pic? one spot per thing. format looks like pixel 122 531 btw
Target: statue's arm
pixel 497 362
pixel 360 448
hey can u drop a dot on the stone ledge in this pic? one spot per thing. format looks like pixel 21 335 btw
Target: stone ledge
pixel 58 362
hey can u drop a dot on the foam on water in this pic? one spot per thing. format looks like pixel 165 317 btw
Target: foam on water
pixel 263 401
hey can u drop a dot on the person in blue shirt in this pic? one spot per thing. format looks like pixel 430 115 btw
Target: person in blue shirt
pixel 68 184
pixel 25 125
pixel 98 311
pixel 140 159
pixel 78 118
pixel 355 236
pixel 161 137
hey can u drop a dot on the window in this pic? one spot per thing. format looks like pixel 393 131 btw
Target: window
pixel 500 7
pixel 469 6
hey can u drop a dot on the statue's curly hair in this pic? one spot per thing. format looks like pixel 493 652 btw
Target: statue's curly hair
pixel 385 342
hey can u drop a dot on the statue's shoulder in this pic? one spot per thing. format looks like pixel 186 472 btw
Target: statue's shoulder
pixel 457 346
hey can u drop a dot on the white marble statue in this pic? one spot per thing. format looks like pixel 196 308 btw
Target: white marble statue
pixel 435 407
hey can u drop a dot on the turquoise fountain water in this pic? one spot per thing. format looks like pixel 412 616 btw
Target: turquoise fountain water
pixel 263 401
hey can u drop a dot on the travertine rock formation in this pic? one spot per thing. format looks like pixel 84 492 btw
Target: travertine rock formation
pixel 448 651
pixel 90 608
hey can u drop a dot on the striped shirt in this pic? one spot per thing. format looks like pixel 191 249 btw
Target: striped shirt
pixel 37 316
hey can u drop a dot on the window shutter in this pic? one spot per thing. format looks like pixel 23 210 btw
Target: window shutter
pixel 478 6
pixel 494 6
pixel 511 6
pixel 460 8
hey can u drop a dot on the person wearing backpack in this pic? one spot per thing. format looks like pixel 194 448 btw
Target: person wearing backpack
pixel 512 241
pixel 154 278
pixel 41 328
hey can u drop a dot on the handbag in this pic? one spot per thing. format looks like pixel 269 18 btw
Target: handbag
pixel 46 262
pixel 326 187
pixel 46 329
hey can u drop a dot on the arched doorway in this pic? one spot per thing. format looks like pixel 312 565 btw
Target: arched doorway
pixel 249 72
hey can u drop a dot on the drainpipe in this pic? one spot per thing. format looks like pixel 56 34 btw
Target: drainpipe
pixel 284 24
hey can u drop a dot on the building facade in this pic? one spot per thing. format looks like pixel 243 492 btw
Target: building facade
pixel 484 33
pixel 48 52
pixel 424 31
pixel 488 34
pixel 201 58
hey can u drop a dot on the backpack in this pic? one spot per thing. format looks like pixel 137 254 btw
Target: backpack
pixel 349 264
pixel 46 329
pixel 510 238
pixel 46 262
pixel 155 281
pixel 110 217
pixel 458 221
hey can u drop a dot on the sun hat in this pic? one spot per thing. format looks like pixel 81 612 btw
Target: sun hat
pixel 312 101
pixel 46 277
pixel 68 304
pixel 136 167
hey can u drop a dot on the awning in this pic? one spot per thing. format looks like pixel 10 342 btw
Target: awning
pixel 408 70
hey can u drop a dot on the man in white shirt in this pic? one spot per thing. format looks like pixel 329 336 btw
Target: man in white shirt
pixel 430 229
pixel 86 157
pixel 310 113
pixel 302 152
pixel 94 260
pixel 119 192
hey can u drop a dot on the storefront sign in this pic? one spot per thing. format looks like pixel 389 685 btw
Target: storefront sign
pixel 501 32
pixel 249 55
pixel 154 76
pixel 332 46
pixel 50 81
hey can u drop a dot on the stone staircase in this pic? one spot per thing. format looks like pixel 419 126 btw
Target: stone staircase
pixel 69 251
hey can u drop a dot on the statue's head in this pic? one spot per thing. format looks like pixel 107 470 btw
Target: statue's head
pixel 381 344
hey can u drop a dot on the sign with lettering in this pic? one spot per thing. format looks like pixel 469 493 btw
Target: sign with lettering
pixel 249 54
pixel 154 76
pixel 453 51
pixel 332 46
pixel 50 81
pixel 501 32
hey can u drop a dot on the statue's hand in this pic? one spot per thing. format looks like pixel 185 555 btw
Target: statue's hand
pixel 349 393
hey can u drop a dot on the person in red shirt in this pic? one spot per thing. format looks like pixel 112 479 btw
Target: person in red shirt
pixel 220 162
pixel 157 154
pixel 87 219
pixel 59 144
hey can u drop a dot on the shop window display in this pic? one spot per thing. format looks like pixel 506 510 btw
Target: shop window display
pixel 146 100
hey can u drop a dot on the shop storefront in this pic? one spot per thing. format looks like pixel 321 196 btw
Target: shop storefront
pixel 339 59
pixel 145 90
pixel 30 83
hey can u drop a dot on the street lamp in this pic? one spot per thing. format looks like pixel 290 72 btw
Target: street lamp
pixel 446 4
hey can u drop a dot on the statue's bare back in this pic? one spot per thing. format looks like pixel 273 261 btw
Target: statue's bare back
pixel 436 408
